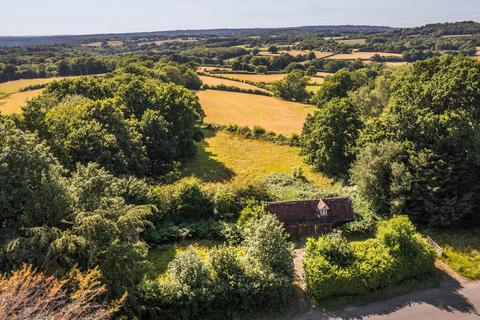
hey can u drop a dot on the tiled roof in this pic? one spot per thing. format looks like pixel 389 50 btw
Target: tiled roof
pixel 290 212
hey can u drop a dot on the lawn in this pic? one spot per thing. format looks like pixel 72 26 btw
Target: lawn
pixel 461 250
pixel 211 81
pixel 223 157
pixel 280 116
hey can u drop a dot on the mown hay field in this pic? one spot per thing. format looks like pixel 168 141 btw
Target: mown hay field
pixel 208 69
pixel 279 116
pixel 265 78
pixel 212 81
pixel 16 85
pixel 362 55
pixel 352 41
pixel 223 157
pixel 312 89
pixel 323 74
pixel 12 100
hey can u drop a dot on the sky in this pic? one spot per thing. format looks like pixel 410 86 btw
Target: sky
pixel 54 17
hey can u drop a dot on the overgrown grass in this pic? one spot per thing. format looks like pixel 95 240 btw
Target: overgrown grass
pixel 161 256
pixel 461 250
pixel 223 157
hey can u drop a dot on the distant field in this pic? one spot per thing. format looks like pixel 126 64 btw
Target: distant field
pixel 322 54
pixel 12 101
pixel 266 78
pixel 322 74
pixel 316 80
pixel 352 41
pixel 362 55
pixel 207 69
pixel 98 44
pixel 16 85
pixel 223 157
pixel 313 89
pixel 211 81
pixel 273 114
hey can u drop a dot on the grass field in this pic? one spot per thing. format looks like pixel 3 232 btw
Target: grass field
pixel 12 100
pixel 207 69
pixel 323 74
pixel 461 250
pixel 223 157
pixel 266 78
pixel 280 116
pixel 313 89
pixel 352 41
pixel 14 86
pixel 211 81
pixel 316 80
pixel 361 55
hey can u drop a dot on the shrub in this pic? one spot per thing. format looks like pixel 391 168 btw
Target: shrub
pixel 335 268
pixel 266 242
pixel 253 210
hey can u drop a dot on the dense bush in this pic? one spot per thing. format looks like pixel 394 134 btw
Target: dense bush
pixel 334 267
pixel 227 283
pixel 187 209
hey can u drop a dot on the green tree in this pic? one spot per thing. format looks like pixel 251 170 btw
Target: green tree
pixel 292 87
pixel 335 86
pixel 266 243
pixel 329 137
pixel 33 191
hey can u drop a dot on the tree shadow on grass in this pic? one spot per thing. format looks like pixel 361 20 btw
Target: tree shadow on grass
pixel 204 167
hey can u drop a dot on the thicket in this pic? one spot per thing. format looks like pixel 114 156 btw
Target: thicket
pixel 233 280
pixel 335 267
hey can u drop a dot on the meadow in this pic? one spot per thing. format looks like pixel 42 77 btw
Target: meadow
pixel 211 81
pixel 280 116
pixel 222 157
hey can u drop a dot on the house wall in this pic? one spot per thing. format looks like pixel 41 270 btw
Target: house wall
pixel 308 229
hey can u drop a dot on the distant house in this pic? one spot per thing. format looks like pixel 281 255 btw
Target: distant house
pixel 312 217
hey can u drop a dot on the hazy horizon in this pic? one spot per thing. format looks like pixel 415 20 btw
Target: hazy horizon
pixel 56 17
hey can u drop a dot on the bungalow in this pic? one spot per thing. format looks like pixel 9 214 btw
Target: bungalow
pixel 312 217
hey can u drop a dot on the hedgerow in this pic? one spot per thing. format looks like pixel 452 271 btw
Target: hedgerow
pixel 334 267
